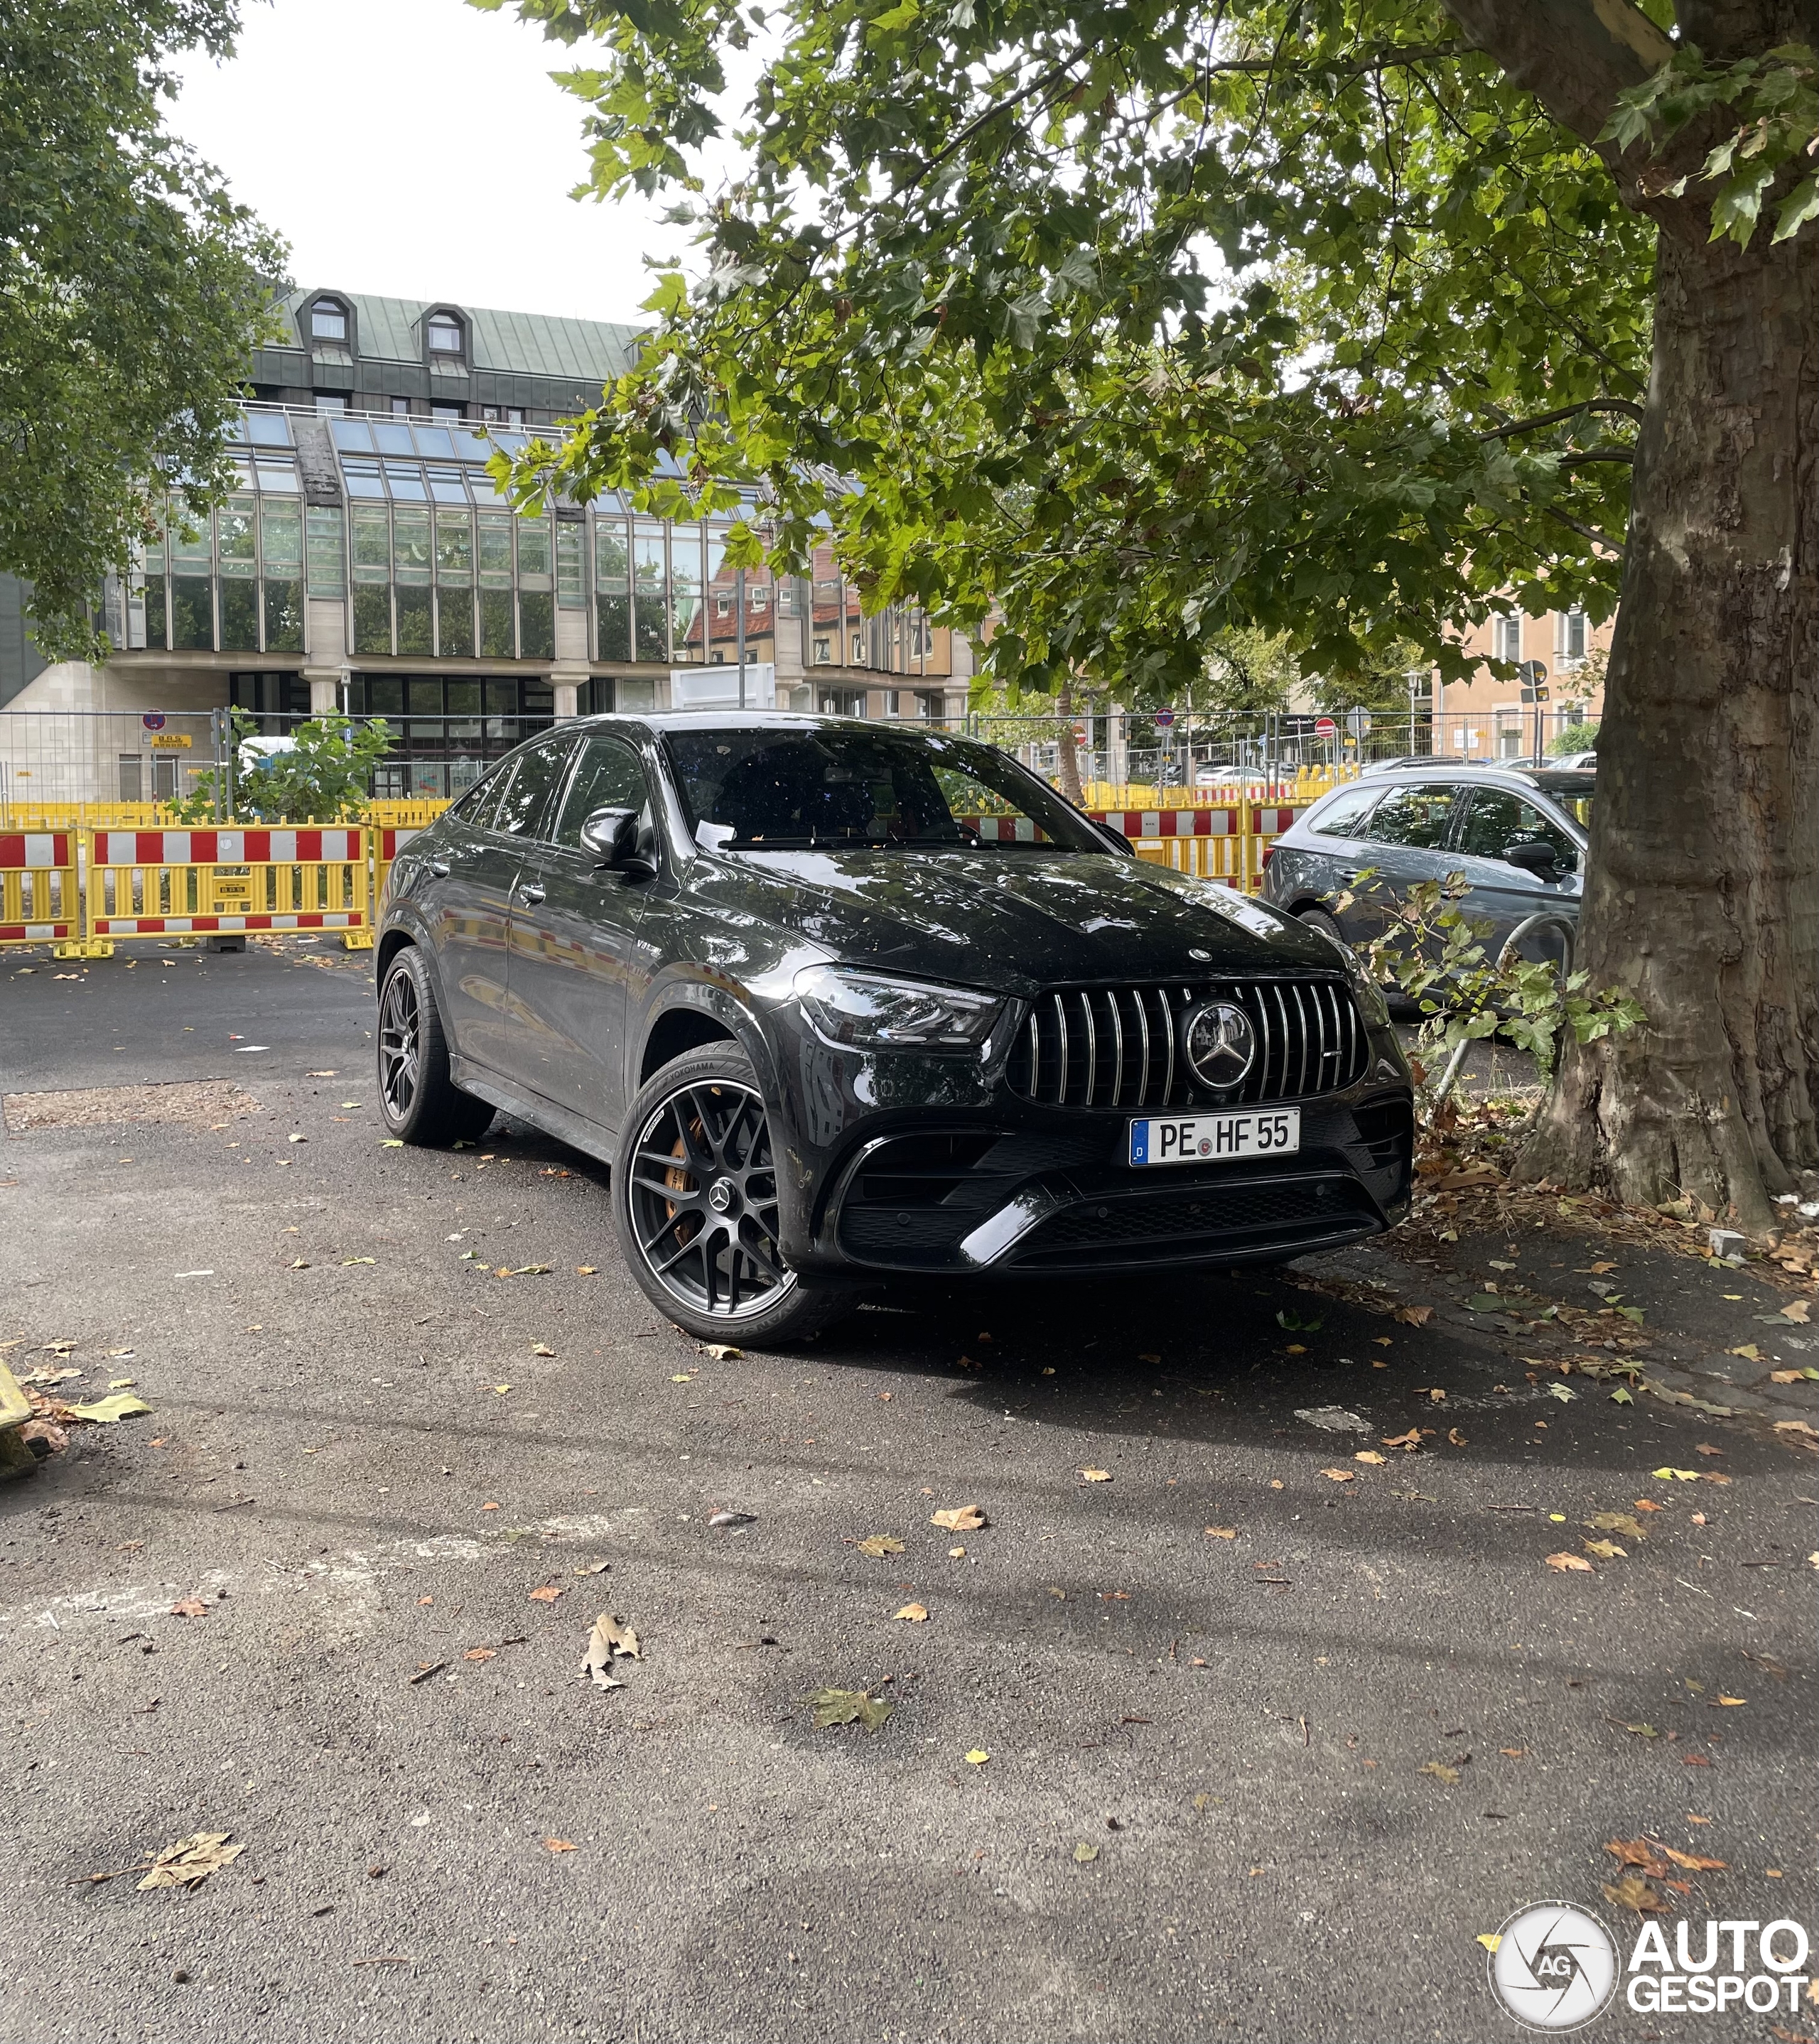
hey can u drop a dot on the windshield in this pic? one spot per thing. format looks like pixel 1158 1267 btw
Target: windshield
pixel 779 789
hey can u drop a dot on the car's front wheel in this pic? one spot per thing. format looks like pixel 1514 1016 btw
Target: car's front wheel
pixel 418 1101
pixel 694 1197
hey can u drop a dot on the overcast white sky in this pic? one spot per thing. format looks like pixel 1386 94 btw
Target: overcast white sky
pixel 418 148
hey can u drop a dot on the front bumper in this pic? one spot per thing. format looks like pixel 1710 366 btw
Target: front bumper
pixel 1057 1198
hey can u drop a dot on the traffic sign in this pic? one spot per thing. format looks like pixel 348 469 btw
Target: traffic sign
pixel 1358 723
pixel 1164 719
pixel 153 719
pixel 1325 728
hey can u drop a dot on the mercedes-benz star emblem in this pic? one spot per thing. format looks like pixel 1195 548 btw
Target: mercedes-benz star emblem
pixel 1221 1044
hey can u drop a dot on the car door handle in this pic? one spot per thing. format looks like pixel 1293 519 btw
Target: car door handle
pixel 530 895
pixel 439 868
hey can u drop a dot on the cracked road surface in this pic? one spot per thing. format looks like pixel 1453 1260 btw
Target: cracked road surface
pixel 1315 1733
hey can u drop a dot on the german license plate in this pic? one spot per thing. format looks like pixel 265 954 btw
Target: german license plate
pixel 1204 1139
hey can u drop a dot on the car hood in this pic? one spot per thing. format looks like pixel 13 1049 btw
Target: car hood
pixel 1013 920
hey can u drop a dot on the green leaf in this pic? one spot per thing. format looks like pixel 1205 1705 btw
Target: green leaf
pixel 838 1707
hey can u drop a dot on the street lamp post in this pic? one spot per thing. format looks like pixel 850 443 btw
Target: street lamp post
pixel 739 599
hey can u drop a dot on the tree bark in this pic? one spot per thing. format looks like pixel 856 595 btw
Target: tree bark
pixel 1703 891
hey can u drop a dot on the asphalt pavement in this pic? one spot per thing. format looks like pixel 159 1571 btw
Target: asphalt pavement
pixel 1212 1730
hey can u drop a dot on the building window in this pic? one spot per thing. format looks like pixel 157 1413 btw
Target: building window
pixel 448 414
pixel 331 404
pixel 1572 637
pixel 328 321
pixel 401 408
pixel 444 334
pixel 514 417
pixel 824 653
pixel 1506 638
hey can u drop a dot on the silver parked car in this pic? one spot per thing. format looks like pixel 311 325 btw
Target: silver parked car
pixel 1518 837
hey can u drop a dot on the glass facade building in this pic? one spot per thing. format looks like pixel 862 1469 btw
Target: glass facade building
pixel 365 561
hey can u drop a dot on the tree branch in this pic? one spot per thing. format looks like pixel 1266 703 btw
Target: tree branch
pixel 1622 404
pixel 1575 55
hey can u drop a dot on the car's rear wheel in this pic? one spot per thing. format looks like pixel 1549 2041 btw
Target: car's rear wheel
pixel 694 1197
pixel 1317 919
pixel 418 1101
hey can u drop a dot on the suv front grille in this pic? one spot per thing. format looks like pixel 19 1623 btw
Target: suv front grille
pixel 1121 1047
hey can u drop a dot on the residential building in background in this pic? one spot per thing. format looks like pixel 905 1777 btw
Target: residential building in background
pixel 366 563
pixel 1485 718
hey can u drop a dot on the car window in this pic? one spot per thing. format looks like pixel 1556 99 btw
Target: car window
pixel 1498 818
pixel 1344 816
pixel 608 775
pixel 476 808
pixel 521 806
pixel 783 787
pixel 1420 815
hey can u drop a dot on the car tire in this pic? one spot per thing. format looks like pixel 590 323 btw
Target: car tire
pixel 700 1233
pixel 1317 919
pixel 418 1102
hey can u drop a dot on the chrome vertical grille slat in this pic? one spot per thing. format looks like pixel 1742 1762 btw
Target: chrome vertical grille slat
pixel 1072 1051
pixel 1114 1002
pixel 1092 1046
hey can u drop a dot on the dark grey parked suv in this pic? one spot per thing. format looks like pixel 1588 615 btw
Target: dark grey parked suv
pixel 839 1000
pixel 1518 837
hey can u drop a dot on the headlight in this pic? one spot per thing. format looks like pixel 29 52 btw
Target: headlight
pixel 865 1011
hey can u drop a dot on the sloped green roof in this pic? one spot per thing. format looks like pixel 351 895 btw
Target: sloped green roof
pixel 523 344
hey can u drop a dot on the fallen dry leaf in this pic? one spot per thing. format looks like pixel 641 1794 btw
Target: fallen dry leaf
pixel 960 1519
pixel 1456 1437
pixel 1633 1893
pixel 1641 1853
pixel 1409 1440
pixel 1221 1532
pixel 1615 1522
pixel 877 1545
pixel 1340 1475
pixel 558 1845
pixel 481 1654
pixel 1694 1863
pixel 611 1640
pixel 547 1593
pixel 122 1405
pixel 190 1861
pixel 1441 1771
pixel 190 1607
pixel 1732 1701
pixel 1608 1549
pixel 838 1707
pixel 1795 1426
pixel 1413 1316
pixel 913 1614
pixel 1097 1476
pixel 541 1348
pixel 1369 1455
pixel 1564 1562
pixel 723 1352
pixel 977 1756
pixel 1085 1854
pixel 1798 1311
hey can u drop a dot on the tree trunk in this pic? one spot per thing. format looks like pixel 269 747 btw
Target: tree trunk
pixel 1702 892
pixel 1070 752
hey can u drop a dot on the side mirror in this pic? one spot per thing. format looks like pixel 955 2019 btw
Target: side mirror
pixel 611 836
pixel 1535 856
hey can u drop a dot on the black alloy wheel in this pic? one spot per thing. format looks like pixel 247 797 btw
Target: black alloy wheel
pixel 418 1101
pixel 400 1045
pixel 695 1196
